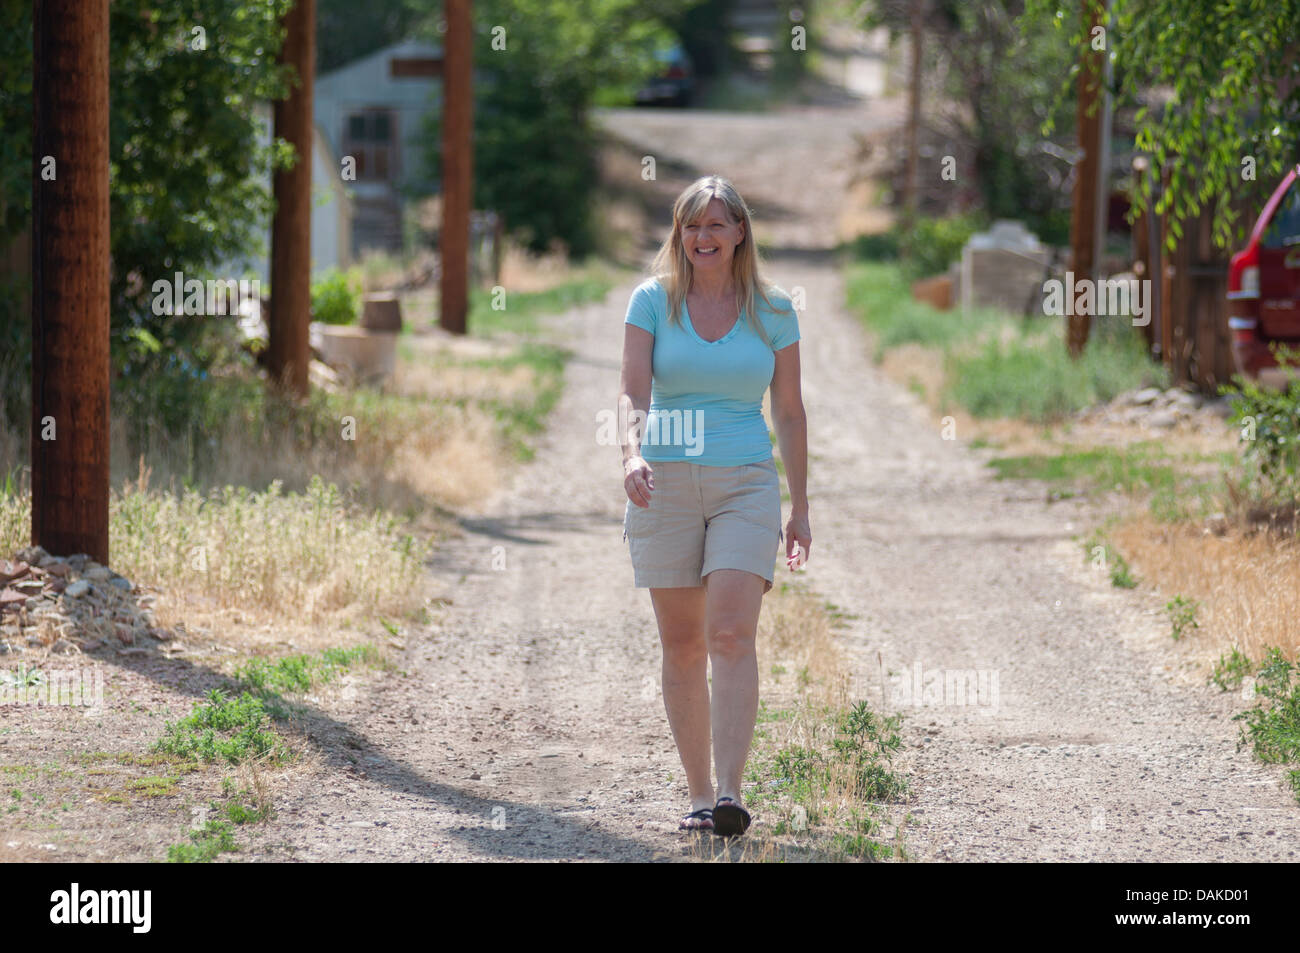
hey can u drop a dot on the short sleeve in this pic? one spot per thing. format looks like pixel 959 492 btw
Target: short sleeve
pixel 783 324
pixel 641 309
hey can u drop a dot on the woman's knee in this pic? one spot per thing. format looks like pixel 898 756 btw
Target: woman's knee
pixel 684 647
pixel 730 638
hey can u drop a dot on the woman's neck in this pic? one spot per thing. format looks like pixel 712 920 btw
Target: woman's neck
pixel 719 287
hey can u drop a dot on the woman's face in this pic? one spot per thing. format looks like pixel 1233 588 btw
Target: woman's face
pixel 710 241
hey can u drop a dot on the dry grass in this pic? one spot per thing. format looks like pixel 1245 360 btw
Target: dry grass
pixel 236 560
pixel 281 555
pixel 795 634
pixel 1248 584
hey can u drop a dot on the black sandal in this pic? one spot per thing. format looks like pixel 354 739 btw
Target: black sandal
pixel 705 814
pixel 729 818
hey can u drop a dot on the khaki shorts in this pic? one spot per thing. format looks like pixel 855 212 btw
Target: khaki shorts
pixel 705 518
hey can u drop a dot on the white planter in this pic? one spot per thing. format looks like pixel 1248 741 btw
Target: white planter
pixel 367 355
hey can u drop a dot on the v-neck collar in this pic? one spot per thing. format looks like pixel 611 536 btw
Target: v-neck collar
pixel 686 311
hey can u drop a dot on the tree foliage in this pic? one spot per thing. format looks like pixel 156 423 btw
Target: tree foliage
pixel 537 66
pixel 1001 67
pixel 188 172
pixel 1216 84
pixel 347 30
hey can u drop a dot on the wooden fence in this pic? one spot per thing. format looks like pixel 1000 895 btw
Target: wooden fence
pixel 1188 331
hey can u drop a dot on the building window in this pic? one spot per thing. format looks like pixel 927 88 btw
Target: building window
pixel 368 138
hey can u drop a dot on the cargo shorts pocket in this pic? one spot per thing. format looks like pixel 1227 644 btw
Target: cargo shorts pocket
pixel 763 494
pixel 639 521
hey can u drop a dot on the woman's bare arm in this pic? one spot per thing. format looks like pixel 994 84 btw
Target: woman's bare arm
pixel 791 424
pixel 633 406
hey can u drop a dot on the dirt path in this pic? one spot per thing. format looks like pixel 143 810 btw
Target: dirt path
pixel 528 724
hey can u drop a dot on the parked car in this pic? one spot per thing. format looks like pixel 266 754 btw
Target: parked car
pixel 675 83
pixel 1264 285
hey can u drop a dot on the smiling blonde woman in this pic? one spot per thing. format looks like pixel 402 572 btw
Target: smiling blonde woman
pixel 703 340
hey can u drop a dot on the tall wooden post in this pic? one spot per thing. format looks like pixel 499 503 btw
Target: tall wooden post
pixel 70 277
pixel 913 117
pixel 288 350
pixel 457 164
pixel 1083 217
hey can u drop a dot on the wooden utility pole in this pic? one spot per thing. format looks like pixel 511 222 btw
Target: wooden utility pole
pixel 70 277
pixel 457 164
pixel 288 350
pixel 1083 216
pixel 913 117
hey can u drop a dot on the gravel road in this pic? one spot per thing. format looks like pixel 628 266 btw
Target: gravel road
pixel 528 724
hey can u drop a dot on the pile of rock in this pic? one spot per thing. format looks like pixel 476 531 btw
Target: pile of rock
pixel 70 604
pixel 1159 409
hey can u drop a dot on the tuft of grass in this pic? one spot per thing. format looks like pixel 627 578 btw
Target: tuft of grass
pixel 1231 670
pixel 1103 555
pixel 1031 376
pixel 1182 615
pixel 820 768
pixel 1272 728
pixel 518 311
pixel 996 364
pixel 523 415
pixel 882 298
pixel 234 730
pixel 1136 467
pixel 300 673
pixel 154 786
pixel 211 840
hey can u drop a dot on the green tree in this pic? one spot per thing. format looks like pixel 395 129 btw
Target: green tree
pixel 189 176
pixel 347 30
pixel 538 66
pixel 1216 84
pixel 1001 67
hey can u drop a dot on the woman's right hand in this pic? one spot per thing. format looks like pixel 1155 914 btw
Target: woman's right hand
pixel 638 480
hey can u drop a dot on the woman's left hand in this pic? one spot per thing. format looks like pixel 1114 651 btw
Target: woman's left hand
pixel 798 540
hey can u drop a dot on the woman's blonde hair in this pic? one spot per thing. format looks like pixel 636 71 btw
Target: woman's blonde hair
pixel 674 269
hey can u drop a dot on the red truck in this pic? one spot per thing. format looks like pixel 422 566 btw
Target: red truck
pixel 1264 285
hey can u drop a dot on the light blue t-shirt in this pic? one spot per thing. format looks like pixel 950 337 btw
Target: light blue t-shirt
pixel 706 400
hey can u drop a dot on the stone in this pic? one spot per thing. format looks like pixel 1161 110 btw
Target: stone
pixel 97 574
pixel 77 589
pixel 11 571
pixel 1145 396
pixel 120 582
pixel 56 568
pixel 32 555
pixel 1162 419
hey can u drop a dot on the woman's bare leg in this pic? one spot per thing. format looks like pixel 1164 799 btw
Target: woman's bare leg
pixel 680 613
pixel 733 599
